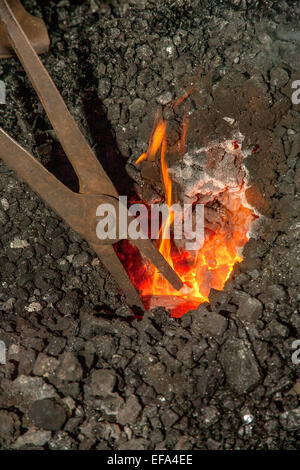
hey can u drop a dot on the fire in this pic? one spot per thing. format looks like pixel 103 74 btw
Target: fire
pixel 208 268
pixel 156 139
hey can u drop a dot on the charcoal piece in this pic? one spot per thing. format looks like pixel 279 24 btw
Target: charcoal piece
pixel 103 382
pixel 129 413
pixel 250 309
pixel 208 324
pixel 69 368
pixel 290 420
pixel 46 414
pixel 240 366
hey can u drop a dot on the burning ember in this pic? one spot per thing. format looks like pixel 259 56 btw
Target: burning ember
pixel 216 177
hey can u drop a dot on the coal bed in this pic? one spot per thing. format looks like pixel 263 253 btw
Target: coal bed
pixel 215 367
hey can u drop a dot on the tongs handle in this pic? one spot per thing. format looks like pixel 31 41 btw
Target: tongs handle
pixel 91 175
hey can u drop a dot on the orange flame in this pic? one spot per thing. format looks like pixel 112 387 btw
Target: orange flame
pixel 156 139
pixel 212 265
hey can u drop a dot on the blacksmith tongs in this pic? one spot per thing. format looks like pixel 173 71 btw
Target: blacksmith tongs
pixel 77 209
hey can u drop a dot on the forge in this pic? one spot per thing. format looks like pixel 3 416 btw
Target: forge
pixel 153 103
pixel 214 176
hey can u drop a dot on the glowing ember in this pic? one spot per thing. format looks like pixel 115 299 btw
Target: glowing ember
pixel 212 265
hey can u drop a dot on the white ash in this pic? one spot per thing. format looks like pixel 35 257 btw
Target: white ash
pixel 209 171
pixel 229 120
pixel 18 244
pixel 216 177
pixel 34 307
pixel 248 418
pixel 4 203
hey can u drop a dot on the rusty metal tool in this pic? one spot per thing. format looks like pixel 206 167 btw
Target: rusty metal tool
pixel 34 28
pixel 77 209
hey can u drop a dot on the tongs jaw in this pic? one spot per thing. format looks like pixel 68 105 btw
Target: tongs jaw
pixel 78 210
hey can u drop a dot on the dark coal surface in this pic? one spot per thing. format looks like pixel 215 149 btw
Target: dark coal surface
pixel 81 371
